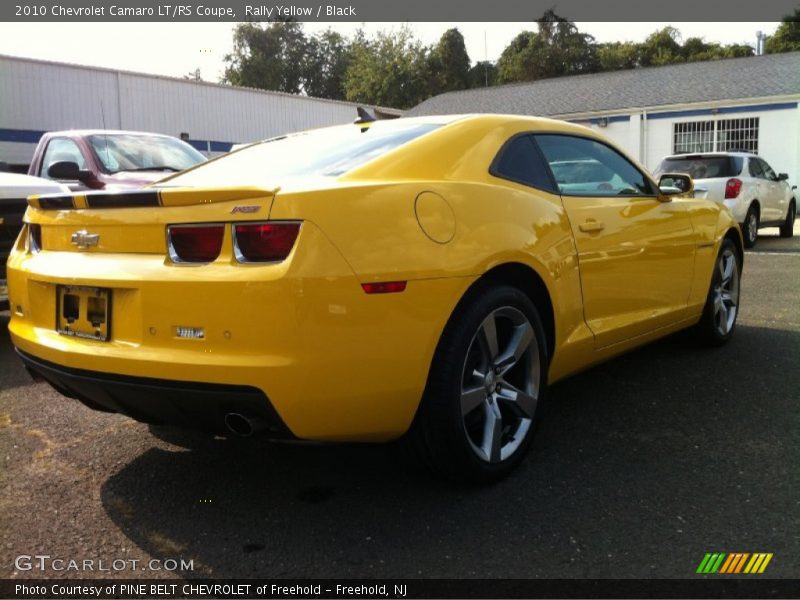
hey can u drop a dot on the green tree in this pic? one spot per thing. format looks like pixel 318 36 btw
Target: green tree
pixel 482 74
pixel 448 63
pixel 787 37
pixel 618 55
pixel 328 57
pixel 661 48
pixel 269 57
pixel 391 70
pixel 558 48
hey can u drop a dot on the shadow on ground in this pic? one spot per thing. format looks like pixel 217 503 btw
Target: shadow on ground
pixel 641 466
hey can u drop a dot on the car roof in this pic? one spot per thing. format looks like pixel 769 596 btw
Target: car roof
pixel 711 155
pixel 86 132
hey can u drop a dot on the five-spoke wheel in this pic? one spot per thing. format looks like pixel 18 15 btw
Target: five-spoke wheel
pixel 722 304
pixel 500 384
pixel 485 387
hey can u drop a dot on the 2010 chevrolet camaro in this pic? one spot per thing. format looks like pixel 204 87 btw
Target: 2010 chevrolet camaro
pixel 428 276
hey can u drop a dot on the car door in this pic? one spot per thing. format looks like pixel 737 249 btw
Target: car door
pixel 635 251
pixel 775 201
pixel 63 149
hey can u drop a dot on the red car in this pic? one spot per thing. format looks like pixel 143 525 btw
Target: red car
pixel 109 160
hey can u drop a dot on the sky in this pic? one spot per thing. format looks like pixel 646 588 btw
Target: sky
pixel 176 49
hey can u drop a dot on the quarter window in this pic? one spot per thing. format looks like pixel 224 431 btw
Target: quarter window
pixel 520 161
pixel 768 172
pixel 61 149
pixel 585 167
pixel 755 168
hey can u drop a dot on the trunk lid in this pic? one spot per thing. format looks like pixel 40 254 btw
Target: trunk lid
pixel 136 221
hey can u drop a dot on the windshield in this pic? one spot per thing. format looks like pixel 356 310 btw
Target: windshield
pixel 702 167
pixel 325 152
pixel 134 152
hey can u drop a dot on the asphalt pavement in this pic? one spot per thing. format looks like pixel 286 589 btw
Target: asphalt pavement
pixel 642 465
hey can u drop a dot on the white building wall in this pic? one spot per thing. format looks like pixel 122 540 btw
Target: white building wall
pixel 38 96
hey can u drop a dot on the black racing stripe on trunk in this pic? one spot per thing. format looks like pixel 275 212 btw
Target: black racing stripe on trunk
pixel 56 202
pixel 122 200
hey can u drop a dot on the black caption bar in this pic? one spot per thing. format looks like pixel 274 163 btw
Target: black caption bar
pixel 74 589
pixel 390 10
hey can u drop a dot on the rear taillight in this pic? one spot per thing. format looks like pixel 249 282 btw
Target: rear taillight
pixel 34 237
pixel 732 188
pixel 264 242
pixel 195 243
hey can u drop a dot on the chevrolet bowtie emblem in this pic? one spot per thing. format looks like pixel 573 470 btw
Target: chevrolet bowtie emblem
pixel 84 239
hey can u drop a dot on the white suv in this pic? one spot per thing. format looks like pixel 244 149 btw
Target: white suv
pixel 743 182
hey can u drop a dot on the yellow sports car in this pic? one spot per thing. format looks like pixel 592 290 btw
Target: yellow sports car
pixel 426 276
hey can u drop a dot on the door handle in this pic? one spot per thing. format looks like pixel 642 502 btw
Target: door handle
pixel 591 225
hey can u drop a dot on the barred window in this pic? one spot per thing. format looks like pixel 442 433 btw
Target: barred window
pixel 723 135
pixel 693 136
pixel 738 134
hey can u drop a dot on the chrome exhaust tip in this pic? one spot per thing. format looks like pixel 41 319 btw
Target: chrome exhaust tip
pixel 242 425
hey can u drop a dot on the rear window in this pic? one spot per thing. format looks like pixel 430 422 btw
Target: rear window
pixel 325 152
pixel 702 167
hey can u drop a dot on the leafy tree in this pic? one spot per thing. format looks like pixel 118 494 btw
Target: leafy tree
pixel 695 49
pixel 618 55
pixel 787 37
pixel 558 48
pixel 270 57
pixel 390 70
pixel 329 56
pixel 661 48
pixel 482 74
pixel 449 63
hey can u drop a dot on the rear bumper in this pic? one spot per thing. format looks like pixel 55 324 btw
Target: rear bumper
pixel 337 364
pixel 160 401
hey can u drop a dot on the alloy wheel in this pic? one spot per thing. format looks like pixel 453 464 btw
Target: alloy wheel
pixel 500 384
pixel 726 292
pixel 752 227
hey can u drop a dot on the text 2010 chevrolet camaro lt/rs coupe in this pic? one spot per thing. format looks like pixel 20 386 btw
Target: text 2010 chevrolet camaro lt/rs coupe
pixel 424 276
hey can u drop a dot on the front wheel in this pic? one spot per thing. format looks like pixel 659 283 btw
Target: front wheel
pixel 787 229
pixel 485 388
pixel 722 304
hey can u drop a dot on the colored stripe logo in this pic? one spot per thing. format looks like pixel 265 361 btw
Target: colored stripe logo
pixel 735 562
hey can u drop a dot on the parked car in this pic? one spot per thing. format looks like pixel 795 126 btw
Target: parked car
pixel 14 191
pixel 743 182
pixel 110 160
pixel 426 277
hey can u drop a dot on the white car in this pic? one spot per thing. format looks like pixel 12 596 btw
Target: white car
pixel 743 182
pixel 14 191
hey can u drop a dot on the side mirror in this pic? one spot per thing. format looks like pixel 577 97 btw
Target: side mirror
pixel 675 184
pixel 783 176
pixel 65 169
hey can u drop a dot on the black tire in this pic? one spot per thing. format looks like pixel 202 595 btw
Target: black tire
pixel 709 330
pixel 750 226
pixel 787 229
pixel 449 436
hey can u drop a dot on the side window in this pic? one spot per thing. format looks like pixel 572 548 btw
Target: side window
pixel 768 172
pixel 755 168
pixel 519 160
pixel 59 149
pixel 585 167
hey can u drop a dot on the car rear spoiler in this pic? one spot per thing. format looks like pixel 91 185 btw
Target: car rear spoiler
pixel 147 198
